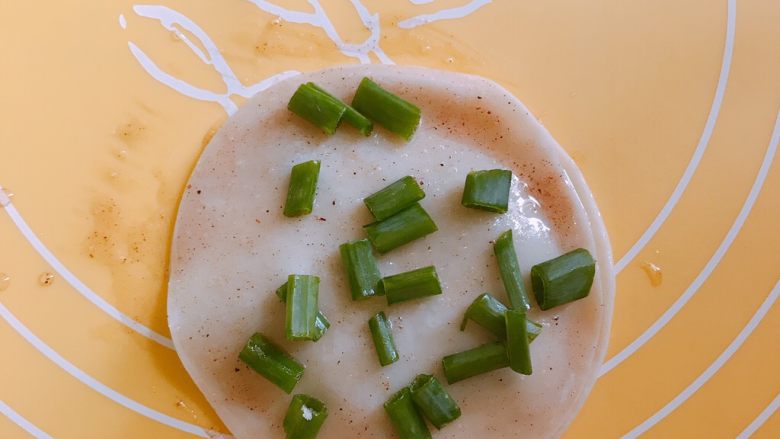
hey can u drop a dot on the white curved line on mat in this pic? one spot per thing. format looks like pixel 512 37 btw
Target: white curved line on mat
pixel 172 21
pixel 96 385
pixel 711 370
pixel 177 84
pixel 704 140
pixel 444 14
pixel 85 291
pixel 372 23
pixel 320 19
pixel 20 420
pixel 711 264
pixel 760 419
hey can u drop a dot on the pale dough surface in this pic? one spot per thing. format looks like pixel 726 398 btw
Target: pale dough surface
pixel 232 248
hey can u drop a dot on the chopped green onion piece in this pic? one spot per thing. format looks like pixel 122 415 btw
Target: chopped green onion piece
pixel 533 329
pixel 488 312
pixel 406 417
pixel 401 228
pixel 382 334
pixel 433 401
pixel 479 360
pixel 302 307
pixel 487 190
pixel 504 248
pixel 317 107
pixel 351 116
pixel 517 349
pixel 321 323
pixel 564 279
pixel 390 111
pixel 304 417
pixel 362 271
pixel 394 198
pixel 281 293
pixel 272 362
pixel 414 284
pixel 303 188
pixel 357 120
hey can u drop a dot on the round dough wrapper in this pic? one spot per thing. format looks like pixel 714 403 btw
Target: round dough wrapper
pixel 232 248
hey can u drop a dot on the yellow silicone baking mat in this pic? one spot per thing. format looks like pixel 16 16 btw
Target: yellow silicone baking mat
pixel 670 108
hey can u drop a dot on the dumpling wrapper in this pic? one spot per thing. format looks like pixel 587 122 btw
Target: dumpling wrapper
pixel 232 248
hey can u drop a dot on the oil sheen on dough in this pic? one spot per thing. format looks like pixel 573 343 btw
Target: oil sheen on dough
pixel 233 247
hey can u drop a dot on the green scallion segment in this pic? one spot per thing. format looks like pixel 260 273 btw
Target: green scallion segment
pixel 351 116
pixel 319 108
pixel 564 279
pixel 488 312
pixel 394 198
pixel 533 329
pixel 479 360
pixel 433 401
pixel 504 248
pixel 304 418
pixel 487 190
pixel 321 323
pixel 272 362
pixel 414 284
pixel 357 120
pixel 281 293
pixel 517 349
pixel 406 417
pixel 303 188
pixel 362 271
pixel 385 108
pixel 403 227
pixel 382 334
pixel 302 307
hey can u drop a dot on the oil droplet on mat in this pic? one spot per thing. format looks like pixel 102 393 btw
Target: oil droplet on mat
pixel 653 273
pixel 46 279
pixel 5 281
pixel 5 196
pixel 176 35
pixel 182 405
pixel 207 137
